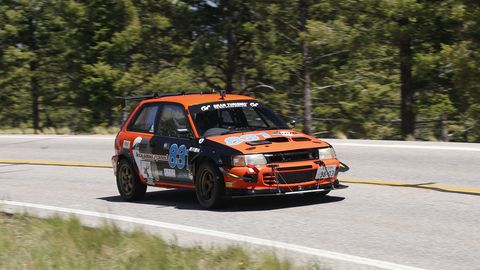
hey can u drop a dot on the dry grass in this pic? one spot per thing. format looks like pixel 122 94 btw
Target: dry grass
pixel 56 243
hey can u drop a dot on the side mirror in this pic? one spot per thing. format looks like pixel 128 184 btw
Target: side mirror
pixel 293 122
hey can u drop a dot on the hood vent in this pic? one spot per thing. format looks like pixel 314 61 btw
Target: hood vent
pixel 259 142
pixel 277 139
pixel 301 139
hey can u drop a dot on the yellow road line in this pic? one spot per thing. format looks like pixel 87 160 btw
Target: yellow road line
pixel 431 186
pixel 56 163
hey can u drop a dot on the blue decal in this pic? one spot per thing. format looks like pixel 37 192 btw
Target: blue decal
pixel 182 155
pixel 177 156
pixel 172 156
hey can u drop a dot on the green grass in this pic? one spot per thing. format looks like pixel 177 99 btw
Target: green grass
pixel 56 243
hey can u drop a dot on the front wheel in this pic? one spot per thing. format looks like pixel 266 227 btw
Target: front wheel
pixel 128 183
pixel 209 186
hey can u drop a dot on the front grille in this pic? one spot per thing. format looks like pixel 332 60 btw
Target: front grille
pixel 289 177
pixel 297 155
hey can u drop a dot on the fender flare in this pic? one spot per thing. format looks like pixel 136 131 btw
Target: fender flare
pixel 125 154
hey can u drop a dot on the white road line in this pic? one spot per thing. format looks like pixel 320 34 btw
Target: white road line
pixel 229 236
pixel 405 146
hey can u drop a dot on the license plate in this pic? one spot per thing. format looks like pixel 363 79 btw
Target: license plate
pixel 327 172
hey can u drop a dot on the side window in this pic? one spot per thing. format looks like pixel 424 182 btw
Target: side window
pixel 173 122
pixel 144 121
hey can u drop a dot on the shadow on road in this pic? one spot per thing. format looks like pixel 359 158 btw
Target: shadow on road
pixel 186 199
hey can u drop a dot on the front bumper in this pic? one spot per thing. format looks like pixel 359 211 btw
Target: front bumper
pixel 115 164
pixel 280 178
pixel 233 193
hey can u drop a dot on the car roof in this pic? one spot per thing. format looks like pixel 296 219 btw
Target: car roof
pixel 193 99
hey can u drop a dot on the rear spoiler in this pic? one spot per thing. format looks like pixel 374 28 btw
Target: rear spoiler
pixel 124 100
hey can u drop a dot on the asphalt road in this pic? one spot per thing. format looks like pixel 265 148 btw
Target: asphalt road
pixel 427 228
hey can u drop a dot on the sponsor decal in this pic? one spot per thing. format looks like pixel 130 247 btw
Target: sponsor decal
pixel 169 172
pixel 146 170
pixel 200 141
pixel 194 149
pixel 126 144
pixel 236 140
pixel 230 105
pixel 224 105
pixel 146 161
pixel 285 133
pixel 185 175
pixel 151 157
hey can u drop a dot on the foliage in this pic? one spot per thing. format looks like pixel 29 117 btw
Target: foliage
pixel 54 243
pixel 379 69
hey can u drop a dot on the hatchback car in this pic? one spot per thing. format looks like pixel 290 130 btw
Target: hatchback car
pixel 220 145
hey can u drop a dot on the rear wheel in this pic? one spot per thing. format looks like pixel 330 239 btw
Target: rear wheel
pixel 128 183
pixel 209 186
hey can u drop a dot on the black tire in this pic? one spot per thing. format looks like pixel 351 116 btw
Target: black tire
pixel 209 186
pixel 128 183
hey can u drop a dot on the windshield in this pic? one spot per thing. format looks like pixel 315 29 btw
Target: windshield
pixel 233 116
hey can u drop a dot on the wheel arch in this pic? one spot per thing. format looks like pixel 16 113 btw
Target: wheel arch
pixel 125 155
pixel 201 160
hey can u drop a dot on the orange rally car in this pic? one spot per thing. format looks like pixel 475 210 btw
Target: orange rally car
pixel 221 145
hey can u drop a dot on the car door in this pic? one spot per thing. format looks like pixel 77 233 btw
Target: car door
pixel 136 139
pixel 171 143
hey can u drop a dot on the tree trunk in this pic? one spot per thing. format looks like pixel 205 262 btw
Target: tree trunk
pixel 34 91
pixel 307 91
pixel 306 74
pixel 232 46
pixel 34 86
pixel 407 90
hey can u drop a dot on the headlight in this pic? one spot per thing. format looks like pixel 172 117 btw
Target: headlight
pixel 244 160
pixel 326 153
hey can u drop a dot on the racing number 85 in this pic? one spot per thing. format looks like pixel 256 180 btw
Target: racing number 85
pixel 177 156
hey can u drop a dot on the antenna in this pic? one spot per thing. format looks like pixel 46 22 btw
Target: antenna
pixel 223 93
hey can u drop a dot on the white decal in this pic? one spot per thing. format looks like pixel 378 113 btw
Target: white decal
pixel 285 133
pixel 201 140
pixel 327 172
pixel 254 104
pixel 146 170
pixel 137 141
pixel 126 144
pixel 236 140
pixel 169 172
pixel 229 105
pixel 151 157
pixel 194 149
pixel 205 108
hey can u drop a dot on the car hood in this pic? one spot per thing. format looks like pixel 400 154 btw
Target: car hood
pixel 264 141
